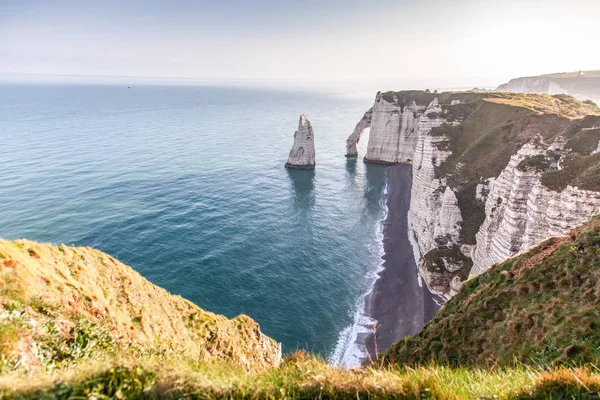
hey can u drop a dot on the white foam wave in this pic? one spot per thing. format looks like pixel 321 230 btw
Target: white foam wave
pixel 350 348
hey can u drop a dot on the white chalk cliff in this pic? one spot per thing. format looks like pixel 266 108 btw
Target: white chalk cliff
pixel 393 136
pixel 302 154
pixel 354 138
pixel 520 211
pixel 412 127
pixel 583 85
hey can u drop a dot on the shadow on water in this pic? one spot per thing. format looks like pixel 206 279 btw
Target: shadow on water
pixel 351 166
pixel 304 187
pixel 374 186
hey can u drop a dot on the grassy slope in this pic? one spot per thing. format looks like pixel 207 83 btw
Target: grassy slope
pixel 574 74
pixel 302 378
pixel 581 168
pixel 540 307
pixel 60 304
pixel 51 296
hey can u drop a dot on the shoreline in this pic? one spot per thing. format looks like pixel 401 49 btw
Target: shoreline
pixel 350 348
pixel 399 302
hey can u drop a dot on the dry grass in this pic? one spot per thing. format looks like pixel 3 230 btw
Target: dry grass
pixel 301 378
pixel 63 298
pixel 560 104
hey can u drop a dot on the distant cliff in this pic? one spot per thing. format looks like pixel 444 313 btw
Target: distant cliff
pixel 583 84
pixel 493 173
pixel 62 305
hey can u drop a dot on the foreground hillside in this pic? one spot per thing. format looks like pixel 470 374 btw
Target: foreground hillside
pixel 75 323
pixel 60 305
pixel 540 308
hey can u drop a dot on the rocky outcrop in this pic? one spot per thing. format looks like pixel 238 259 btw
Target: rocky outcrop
pixel 302 154
pixel 433 205
pixel 354 138
pixel 521 211
pixel 393 134
pixel 479 164
pixel 582 84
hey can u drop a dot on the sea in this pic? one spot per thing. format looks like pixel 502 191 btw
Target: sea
pixel 187 185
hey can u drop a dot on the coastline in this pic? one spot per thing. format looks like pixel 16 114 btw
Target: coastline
pixel 399 302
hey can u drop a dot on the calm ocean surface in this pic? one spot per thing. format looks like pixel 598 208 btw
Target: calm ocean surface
pixel 187 186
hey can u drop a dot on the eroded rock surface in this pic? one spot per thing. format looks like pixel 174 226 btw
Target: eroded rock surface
pixel 302 154
pixel 480 161
pixel 521 211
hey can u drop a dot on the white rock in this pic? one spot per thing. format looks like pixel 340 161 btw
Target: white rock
pixel 521 212
pixel 559 144
pixel 433 206
pixel 302 154
pixel 393 134
pixel 354 138
pixel 482 189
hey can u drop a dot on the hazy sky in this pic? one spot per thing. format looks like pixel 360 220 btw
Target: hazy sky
pixel 420 42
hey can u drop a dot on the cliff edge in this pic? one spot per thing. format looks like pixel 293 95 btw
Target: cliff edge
pixel 61 305
pixel 583 85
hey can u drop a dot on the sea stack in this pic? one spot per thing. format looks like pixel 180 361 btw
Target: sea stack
pixel 302 154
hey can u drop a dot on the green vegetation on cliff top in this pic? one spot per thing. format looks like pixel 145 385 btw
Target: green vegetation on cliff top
pixel 492 128
pixel 538 308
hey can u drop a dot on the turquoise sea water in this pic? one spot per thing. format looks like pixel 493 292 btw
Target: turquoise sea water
pixel 187 186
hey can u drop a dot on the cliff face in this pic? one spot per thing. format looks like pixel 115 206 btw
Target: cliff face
pixel 583 85
pixel 61 305
pixel 520 211
pixel 474 200
pixel 302 154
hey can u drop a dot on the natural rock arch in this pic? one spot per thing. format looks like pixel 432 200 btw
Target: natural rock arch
pixel 354 138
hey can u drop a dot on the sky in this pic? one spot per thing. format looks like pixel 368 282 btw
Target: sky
pixel 415 44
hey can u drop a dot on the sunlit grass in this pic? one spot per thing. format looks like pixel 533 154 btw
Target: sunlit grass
pixel 303 378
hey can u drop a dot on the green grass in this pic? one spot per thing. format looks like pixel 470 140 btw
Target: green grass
pixel 560 104
pixel 538 163
pixel 303 377
pixel 579 171
pixel 585 141
pixel 537 308
pixel 528 328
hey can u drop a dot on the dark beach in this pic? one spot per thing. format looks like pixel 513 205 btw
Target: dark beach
pixel 399 304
